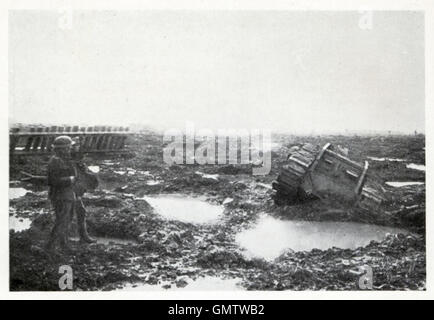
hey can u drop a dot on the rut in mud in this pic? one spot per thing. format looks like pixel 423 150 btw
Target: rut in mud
pixel 177 227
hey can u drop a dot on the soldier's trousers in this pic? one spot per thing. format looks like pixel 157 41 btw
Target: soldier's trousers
pixel 63 209
pixel 81 218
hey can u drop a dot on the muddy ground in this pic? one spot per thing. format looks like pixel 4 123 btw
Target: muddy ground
pixel 172 253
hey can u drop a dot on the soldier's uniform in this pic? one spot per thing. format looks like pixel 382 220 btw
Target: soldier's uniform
pixel 68 180
pixel 61 176
pixel 80 188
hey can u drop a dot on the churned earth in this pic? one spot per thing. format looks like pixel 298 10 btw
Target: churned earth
pixel 205 227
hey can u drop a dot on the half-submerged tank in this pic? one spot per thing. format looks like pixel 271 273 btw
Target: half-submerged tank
pixel 325 173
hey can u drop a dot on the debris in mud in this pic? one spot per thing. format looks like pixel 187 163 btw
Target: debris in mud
pixel 181 283
pixel 107 201
pixel 111 241
pixel 187 284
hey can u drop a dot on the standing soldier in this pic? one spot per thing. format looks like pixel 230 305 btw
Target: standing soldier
pixel 68 180
pixel 62 176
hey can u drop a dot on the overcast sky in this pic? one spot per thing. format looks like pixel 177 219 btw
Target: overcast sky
pixel 290 71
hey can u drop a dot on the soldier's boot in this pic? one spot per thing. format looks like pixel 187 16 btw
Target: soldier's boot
pixel 81 224
pixel 53 239
pixel 64 245
pixel 49 246
pixel 85 238
pixel 82 231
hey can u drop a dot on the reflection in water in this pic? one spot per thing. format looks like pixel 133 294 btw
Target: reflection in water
pixel 186 209
pixel 271 236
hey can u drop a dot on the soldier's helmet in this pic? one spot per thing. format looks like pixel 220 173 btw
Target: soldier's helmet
pixel 62 142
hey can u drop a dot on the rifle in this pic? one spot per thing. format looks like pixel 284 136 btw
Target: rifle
pixel 34 179
pixel 86 180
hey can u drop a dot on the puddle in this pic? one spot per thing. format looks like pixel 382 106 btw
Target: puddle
pixel 94 169
pixel 415 166
pixel 397 184
pixel 386 159
pixel 207 283
pixel 186 209
pixel 271 236
pixel 15 193
pixel 19 224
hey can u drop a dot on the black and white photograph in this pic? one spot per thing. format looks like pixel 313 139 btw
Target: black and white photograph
pixel 216 150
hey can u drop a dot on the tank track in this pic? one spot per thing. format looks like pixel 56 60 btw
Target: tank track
pixel 292 174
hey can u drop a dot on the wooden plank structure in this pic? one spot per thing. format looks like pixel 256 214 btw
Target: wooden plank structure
pixel 38 140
